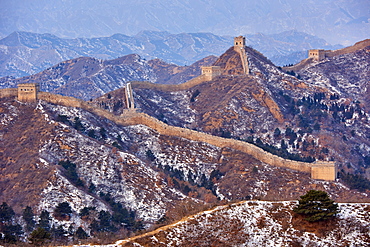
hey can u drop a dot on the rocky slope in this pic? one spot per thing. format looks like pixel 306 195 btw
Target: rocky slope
pixel 88 78
pixel 152 175
pixel 345 74
pixel 24 53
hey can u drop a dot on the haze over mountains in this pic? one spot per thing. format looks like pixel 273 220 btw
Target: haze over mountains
pixel 24 53
pixel 337 21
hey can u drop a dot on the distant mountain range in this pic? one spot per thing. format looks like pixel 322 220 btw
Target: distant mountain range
pixel 24 53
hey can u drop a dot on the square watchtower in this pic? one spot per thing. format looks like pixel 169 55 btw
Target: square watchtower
pixel 27 92
pixel 317 54
pixel 210 72
pixel 239 41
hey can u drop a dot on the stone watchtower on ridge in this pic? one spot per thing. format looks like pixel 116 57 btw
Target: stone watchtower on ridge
pixel 27 92
pixel 239 47
pixel 210 72
pixel 318 54
pixel 239 42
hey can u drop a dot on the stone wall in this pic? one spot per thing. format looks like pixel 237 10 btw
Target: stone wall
pixel 168 88
pixel 322 170
pixel 318 170
pixel 318 54
pixel 239 41
pixel 8 92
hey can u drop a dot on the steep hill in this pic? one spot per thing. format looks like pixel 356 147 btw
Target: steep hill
pixel 274 109
pixel 346 72
pixel 87 78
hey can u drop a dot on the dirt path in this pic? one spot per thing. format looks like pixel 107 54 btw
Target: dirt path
pixel 166 227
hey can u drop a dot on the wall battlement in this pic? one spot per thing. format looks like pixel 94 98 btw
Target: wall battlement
pixel 8 92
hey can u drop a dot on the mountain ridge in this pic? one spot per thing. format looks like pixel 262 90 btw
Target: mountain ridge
pixel 87 77
pixel 24 53
pixel 187 158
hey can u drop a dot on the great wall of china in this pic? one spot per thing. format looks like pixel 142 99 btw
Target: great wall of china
pixel 30 93
pixel 319 170
pixel 318 55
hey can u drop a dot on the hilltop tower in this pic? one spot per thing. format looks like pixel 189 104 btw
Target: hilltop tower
pixel 239 42
pixel 239 47
pixel 27 92
pixel 210 72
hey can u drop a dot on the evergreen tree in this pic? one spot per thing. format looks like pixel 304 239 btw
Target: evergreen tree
pixel 58 233
pixel 28 217
pixel 6 213
pixel 44 221
pixel 105 220
pixel 81 234
pixel 9 232
pixel 316 205
pixel 277 133
pixel 94 226
pixel 78 124
pixel 62 210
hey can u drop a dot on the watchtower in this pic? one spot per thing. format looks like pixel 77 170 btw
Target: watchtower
pixel 317 54
pixel 239 47
pixel 27 92
pixel 324 170
pixel 239 41
pixel 210 72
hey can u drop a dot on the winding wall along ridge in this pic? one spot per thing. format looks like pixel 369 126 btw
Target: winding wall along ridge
pixel 318 170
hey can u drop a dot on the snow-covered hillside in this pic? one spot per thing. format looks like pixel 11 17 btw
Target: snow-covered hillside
pixel 262 223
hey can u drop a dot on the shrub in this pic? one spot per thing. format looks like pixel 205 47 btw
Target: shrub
pixel 39 236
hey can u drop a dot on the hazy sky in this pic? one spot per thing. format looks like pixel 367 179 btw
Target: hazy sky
pixel 337 21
